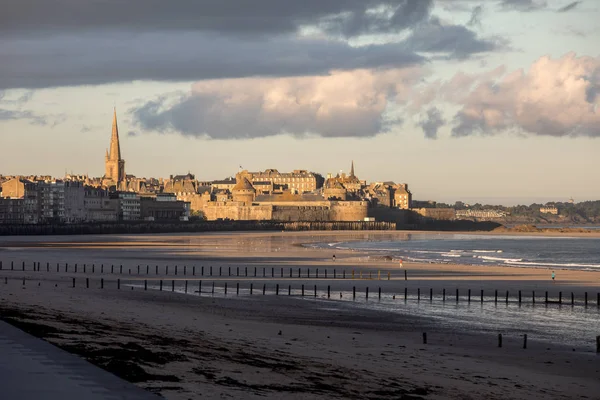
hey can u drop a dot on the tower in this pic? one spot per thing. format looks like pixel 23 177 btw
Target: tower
pixel 352 170
pixel 115 166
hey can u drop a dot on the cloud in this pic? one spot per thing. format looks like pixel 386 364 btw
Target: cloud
pixel 432 123
pixel 239 18
pixel 523 5
pixel 29 116
pixel 453 41
pixel 476 13
pixel 386 18
pixel 16 97
pixel 88 59
pixel 340 104
pixel 556 97
pixel 569 6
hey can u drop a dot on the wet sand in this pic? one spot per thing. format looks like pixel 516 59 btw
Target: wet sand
pixel 189 346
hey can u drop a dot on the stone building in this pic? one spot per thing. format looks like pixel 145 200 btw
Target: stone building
pixel 181 184
pixel 352 185
pixel 299 180
pixel 225 184
pixel 243 192
pixel 402 196
pixel 243 203
pixel 334 190
pixel 14 188
pixel 380 194
pixel 114 175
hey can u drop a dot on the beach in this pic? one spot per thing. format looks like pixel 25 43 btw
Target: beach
pixel 280 345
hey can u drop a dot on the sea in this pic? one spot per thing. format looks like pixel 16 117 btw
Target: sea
pixel 555 252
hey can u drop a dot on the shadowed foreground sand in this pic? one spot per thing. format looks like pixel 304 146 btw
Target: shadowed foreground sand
pixel 186 346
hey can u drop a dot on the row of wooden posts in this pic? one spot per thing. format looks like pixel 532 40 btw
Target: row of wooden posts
pixel 264 289
pixel 37 267
pixel 457 297
pixel 500 337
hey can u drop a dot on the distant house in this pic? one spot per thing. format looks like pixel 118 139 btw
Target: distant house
pixel 549 210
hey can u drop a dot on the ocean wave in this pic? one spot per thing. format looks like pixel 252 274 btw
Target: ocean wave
pixel 544 264
pixel 450 255
pixel 504 260
pixel 486 251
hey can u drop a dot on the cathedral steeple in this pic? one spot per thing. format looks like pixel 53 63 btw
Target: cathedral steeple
pixel 115 147
pixel 352 169
pixel 114 164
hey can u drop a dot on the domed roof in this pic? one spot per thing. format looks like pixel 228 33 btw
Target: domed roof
pixel 243 184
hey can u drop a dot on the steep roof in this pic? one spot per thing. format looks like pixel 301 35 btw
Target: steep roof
pixel 243 184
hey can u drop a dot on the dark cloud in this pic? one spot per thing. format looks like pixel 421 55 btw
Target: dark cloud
pixel 569 6
pixel 402 15
pixel 161 57
pixel 90 60
pixel 433 121
pixel 455 41
pixel 132 134
pixel 74 42
pixel 239 17
pixel 523 5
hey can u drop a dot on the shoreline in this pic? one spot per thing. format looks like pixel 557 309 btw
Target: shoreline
pixel 257 347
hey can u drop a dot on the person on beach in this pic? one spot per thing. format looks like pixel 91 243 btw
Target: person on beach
pixel 334 257
pixel 553 276
pixel 400 263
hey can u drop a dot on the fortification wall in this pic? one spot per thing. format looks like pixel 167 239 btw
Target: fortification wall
pixel 235 211
pixel 288 211
pixel 196 201
pixel 348 210
pixel 301 213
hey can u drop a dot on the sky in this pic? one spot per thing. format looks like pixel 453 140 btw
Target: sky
pixel 494 101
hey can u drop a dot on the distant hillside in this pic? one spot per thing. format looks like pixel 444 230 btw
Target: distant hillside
pixel 585 212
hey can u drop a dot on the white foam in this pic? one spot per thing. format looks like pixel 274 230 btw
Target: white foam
pixel 543 264
pixel 504 260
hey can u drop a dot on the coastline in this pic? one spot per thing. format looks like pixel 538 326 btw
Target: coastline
pixel 186 346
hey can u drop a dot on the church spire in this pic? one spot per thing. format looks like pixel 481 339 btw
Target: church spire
pixel 115 147
pixel 352 169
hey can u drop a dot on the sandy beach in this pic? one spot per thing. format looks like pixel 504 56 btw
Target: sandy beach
pixel 209 345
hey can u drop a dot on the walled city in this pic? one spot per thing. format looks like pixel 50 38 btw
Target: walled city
pixel 267 195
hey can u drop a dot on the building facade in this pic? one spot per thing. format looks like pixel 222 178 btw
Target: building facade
pixel 299 180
